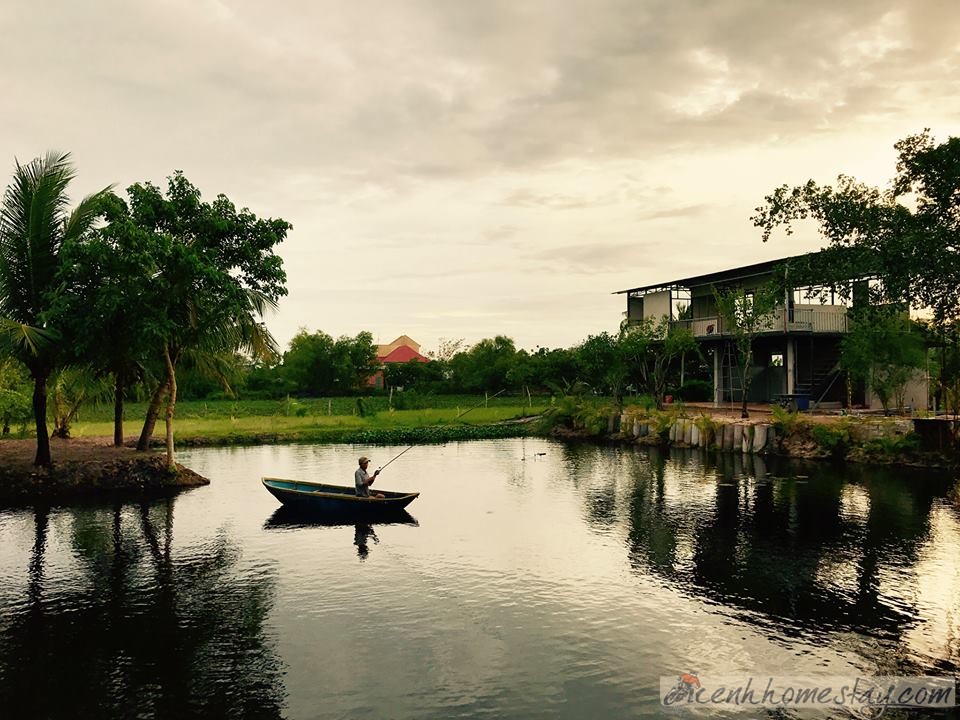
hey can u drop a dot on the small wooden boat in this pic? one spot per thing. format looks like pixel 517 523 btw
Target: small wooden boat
pixel 335 499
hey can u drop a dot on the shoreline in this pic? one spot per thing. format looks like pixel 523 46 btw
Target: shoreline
pixel 864 441
pixel 92 468
pixel 86 469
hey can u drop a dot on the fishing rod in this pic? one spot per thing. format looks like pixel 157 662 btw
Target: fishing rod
pixel 460 415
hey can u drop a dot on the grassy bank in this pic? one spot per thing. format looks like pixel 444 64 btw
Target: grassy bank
pixel 228 422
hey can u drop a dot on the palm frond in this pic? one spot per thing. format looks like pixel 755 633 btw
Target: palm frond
pixel 22 338
pixel 81 220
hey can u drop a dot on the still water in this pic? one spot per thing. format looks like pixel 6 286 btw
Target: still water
pixel 531 579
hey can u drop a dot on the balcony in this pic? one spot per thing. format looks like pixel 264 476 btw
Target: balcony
pixel 826 319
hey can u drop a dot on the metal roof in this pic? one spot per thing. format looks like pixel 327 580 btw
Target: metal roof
pixel 739 273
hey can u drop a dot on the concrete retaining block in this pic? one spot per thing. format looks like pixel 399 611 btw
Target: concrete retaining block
pixel 695 435
pixel 673 433
pixel 737 438
pixel 728 432
pixel 688 432
pixel 759 438
pixel 747 445
pixel 771 439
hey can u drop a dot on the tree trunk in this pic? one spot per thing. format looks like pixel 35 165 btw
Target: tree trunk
pixel 118 410
pixel 745 384
pixel 153 412
pixel 171 402
pixel 40 416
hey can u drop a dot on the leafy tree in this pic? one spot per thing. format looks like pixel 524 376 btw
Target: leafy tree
pixel 745 314
pixel 15 389
pixel 359 360
pixel 70 388
pixel 604 365
pixel 408 374
pixel 653 347
pixel 317 365
pixel 907 236
pixel 34 226
pixel 883 350
pixel 215 275
pixel 486 366
pixel 557 367
pixel 107 303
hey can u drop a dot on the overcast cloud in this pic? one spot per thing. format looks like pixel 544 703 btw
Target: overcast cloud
pixel 462 169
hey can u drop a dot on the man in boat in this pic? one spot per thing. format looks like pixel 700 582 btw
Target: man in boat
pixel 363 480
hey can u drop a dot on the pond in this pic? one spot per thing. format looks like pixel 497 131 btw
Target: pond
pixel 531 579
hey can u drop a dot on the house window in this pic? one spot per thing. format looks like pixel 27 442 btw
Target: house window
pixel 776 360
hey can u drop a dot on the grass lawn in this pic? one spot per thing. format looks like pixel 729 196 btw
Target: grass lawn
pixel 225 421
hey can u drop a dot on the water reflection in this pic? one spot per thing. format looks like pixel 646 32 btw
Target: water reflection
pixel 290 518
pixel 362 534
pixel 803 551
pixel 137 627
pixel 562 587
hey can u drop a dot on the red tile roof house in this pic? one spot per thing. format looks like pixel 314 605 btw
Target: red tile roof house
pixel 401 350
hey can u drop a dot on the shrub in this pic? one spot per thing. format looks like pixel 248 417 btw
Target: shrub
pixel 833 439
pixel 707 426
pixel 694 391
pixel 661 421
pixel 578 413
pixel 786 422
pixel 886 447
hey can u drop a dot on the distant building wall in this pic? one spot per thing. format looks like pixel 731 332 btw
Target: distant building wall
pixel 656 305
pixel 916 395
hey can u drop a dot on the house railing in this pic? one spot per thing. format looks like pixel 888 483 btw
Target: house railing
pixel 818 319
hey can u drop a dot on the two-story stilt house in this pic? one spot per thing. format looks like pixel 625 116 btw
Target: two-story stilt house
pixel 796 357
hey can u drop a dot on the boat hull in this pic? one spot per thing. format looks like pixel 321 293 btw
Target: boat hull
pixel 335 499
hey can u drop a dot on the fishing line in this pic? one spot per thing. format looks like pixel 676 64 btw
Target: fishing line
pixel 460 415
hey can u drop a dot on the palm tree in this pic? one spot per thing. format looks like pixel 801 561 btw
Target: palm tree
pixel 34 225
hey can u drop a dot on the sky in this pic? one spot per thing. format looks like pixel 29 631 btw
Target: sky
pixel 463 169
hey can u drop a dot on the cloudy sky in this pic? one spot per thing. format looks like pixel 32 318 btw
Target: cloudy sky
pixel 465 168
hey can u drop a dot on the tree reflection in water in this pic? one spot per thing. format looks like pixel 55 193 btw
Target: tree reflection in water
pixel 799 549
pixel 143 630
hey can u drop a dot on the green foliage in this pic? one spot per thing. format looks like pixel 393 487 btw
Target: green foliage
pixel 694 391
pixel 884 350
pixel 294 408
pixel 661 421
pixel 316 364
pixel 34 227
pixel 15 391
pixel 603 363
pixel 912 247
pixel 786 422
pixel 708 426
pixel 833 438
pixel 886 448
pixel 744 315
pixel 486 366
pixel 71 388
pixel 580 414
